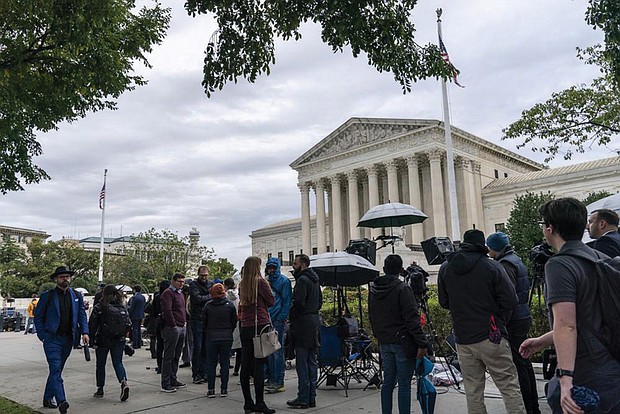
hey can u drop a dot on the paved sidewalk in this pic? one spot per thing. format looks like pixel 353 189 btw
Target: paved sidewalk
pixel 23 373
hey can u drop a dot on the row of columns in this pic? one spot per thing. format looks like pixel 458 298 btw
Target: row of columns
pixel 435 204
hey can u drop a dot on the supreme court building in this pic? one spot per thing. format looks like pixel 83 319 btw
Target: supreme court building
pixel 371 161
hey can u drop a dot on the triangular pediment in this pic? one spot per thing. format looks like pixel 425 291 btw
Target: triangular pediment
pixel 360 132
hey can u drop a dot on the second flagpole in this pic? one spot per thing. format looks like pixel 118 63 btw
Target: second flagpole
pixel 101 244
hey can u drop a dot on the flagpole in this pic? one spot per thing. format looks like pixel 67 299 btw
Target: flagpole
pixel 102 206
pixel 454 211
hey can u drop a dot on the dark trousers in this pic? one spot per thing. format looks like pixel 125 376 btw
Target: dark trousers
pixel 159 349
pixel 153 346
pixel 199 353
pixel 517 333
pixel 218 351
pixel 251 366
pixel 306 365
pixel 57 349
pixel 174 338
pixel 136 333
pixel 116 350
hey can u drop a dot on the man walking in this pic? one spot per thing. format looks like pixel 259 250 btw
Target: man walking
pixel 520 321
pixel 304 318
pixel 572 297
pixel 198 297
pixel 281 288
pixel 173 332
pixel 393 311
pixel 136 313
pixel 30 314
pixel 480 297
pixel 59 318
pixel 603 227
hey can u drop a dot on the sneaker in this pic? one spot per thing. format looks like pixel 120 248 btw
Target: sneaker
pixel 98 393
pixel 124 390
pixel 224 393
pixel 312 404
pixel 198 380
pixel 211 393
pixel 185 365
pixel 296 404
pixel 178 384
pixel 63 407
pixel 272 389
pixel 168 389
pixel 235 374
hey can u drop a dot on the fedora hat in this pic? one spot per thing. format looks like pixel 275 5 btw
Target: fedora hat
pixel 61 270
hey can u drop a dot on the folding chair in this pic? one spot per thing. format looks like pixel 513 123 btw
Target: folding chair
pixel 332 361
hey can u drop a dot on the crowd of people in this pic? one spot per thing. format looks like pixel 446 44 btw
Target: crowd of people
pixel 484 285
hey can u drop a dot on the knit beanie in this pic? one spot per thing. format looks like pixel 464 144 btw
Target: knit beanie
pixel 497 241
pixel 474 237
pixel 218 291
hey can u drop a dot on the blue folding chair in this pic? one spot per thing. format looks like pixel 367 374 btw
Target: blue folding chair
pixel 332 360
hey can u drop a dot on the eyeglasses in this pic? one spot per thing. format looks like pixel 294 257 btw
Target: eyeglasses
pixel 203 274
pixel 542 224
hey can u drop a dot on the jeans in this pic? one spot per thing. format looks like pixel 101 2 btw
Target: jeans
pixel 396 368
pixel 116 349
pixel 276 360
pixel 199 353
pixel 136 333
pixel 30 321
pixel 517 333
pixel 173 346
pixel 218 351
pixel 306 365
pixel 57 349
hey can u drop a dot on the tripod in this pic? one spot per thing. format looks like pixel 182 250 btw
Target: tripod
pixel 439 350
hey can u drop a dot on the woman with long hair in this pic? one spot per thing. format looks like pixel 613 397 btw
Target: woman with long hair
pixel 109 325
pixel 255 298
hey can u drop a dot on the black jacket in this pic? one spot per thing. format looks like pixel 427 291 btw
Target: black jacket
pixel 198 297
pixel 219 319
pixel 304 314
pixel 474 288
pixel 392 308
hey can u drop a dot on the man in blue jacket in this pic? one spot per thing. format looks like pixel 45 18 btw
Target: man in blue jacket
pixel 60 318
pixel 283 293
pixel 136 313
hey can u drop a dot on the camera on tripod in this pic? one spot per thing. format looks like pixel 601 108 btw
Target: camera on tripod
pixel 540 253
pixel 417 278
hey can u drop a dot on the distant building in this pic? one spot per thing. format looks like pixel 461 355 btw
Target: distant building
pixel 22 236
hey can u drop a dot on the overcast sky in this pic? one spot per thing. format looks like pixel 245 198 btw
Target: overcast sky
pixel 177 159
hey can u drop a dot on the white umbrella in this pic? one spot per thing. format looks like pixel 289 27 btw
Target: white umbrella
pixel 391 215
pixel 611 202
pixel 82 290
pixel 124 288
pixel 343 269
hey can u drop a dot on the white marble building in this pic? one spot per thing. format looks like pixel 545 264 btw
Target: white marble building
pixel 366 162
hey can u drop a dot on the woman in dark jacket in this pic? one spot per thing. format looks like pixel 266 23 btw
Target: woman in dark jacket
pixel 255 298
pixel 159 341
pixel 110 323
pixel 219 318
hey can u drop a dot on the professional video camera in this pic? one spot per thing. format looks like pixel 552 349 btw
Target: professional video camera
pixel 539 255
pixel 417 277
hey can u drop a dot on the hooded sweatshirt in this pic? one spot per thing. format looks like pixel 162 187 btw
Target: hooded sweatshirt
pixel 392 308
pixel 304 314
pixel 282 292
pixel 474 288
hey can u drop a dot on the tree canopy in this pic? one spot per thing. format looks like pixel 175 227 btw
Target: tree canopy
pixel 60 60
pixel 243 45
pixel 580 117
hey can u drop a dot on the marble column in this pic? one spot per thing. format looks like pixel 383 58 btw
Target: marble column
pixel 373 194
pixel 392 178
pixel 415 198
pixel 338 218
pixel 364 207
pixel 354 202
pixel 306 242
pixel 321 238
pixel 478 212
pixel 437 196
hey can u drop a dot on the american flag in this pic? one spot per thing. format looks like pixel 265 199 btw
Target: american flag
pixel 446 58
pixel 102 197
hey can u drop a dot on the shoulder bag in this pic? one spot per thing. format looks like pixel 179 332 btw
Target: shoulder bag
pixel 266 342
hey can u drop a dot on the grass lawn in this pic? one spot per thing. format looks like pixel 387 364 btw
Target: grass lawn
pixel 7 406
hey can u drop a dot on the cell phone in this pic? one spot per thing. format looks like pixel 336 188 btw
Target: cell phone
pixel 86 352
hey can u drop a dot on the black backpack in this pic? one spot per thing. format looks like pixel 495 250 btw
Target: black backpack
pixel 115 321
pixel 608 292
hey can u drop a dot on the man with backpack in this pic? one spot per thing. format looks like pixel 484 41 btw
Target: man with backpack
pixel 136 313
pixel 578 295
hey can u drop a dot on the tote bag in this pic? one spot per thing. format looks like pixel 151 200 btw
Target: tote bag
pixel 266 342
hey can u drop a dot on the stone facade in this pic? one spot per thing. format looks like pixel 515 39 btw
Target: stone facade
pixel 366 162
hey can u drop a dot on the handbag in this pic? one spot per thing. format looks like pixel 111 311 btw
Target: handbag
pixel 266 342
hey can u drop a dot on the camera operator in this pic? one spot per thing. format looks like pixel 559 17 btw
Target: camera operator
pixel 416 277
pixel 519 324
